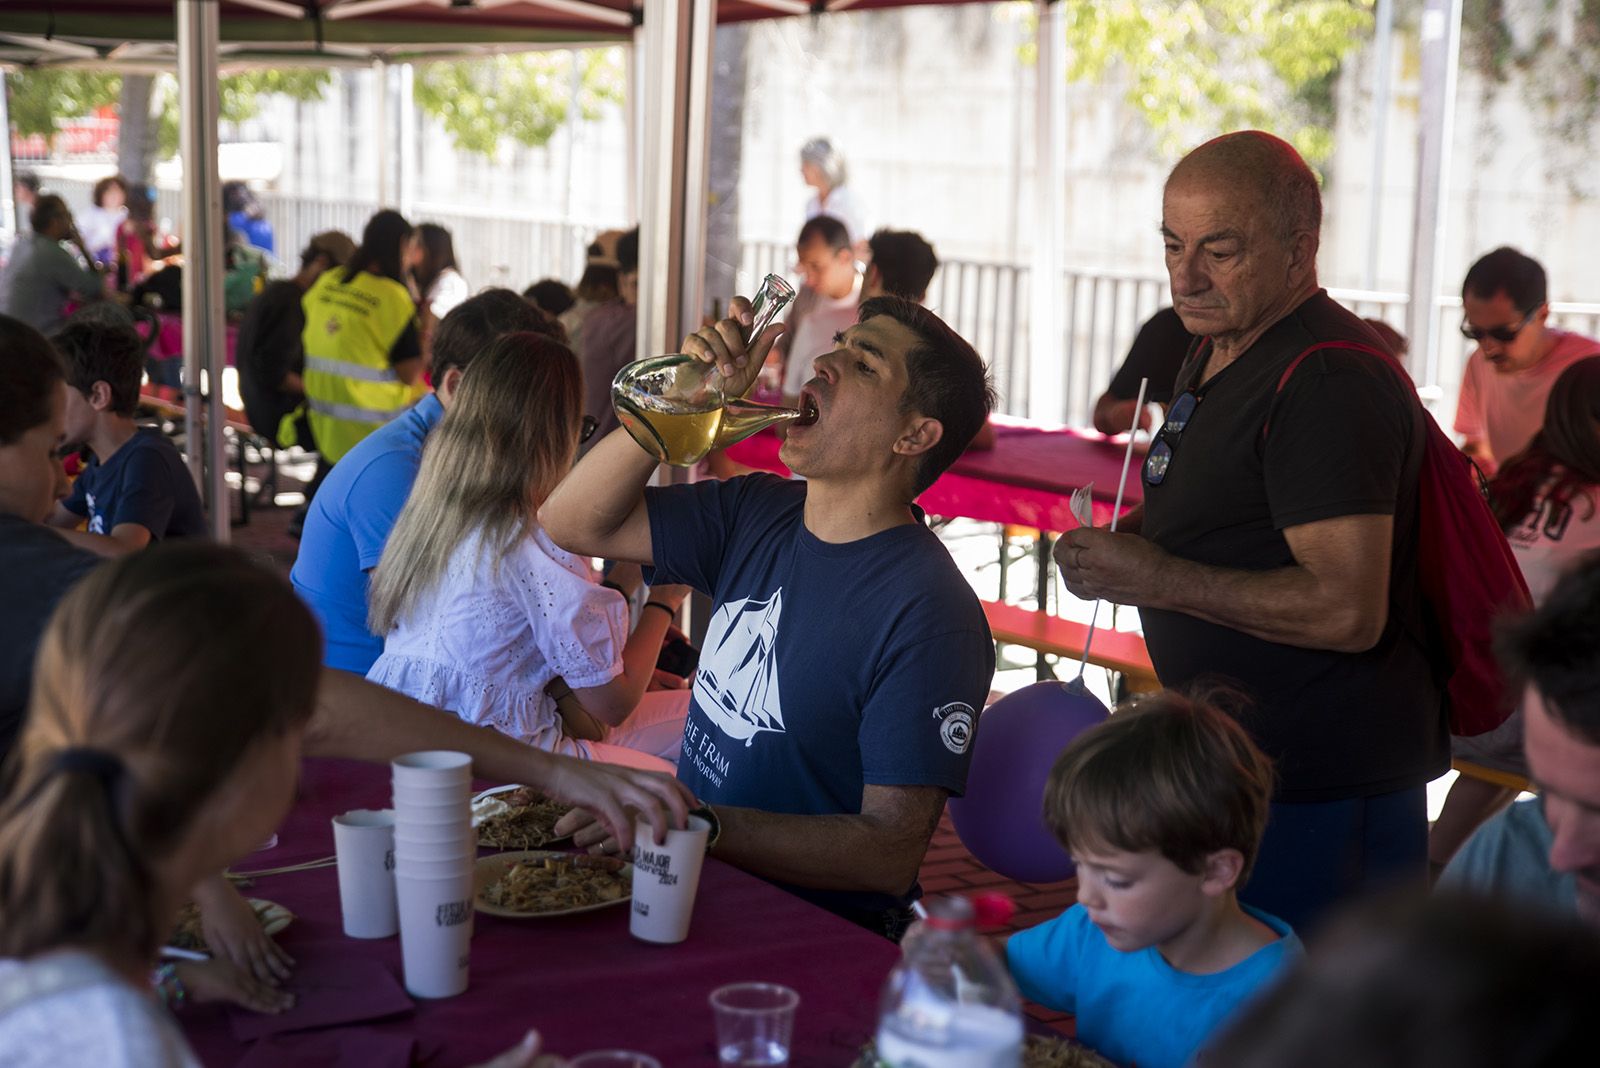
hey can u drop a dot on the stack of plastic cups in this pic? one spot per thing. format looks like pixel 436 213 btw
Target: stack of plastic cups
pixel 435 848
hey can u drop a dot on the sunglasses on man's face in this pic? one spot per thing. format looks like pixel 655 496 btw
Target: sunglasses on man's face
pixel 1503 334
pixel 586 431
pixel 1159 458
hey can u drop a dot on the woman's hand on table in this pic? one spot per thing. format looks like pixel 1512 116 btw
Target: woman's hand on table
pixel 233 931
pixel 220 981
pixel 612 798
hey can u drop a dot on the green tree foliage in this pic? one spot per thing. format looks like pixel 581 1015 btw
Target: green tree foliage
pixel 1197 68
pixel 43 97
pixel 524 97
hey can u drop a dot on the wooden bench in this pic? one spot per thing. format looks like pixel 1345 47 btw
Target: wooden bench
pixel 234 420
pixel 1507 779
pixel 1118 650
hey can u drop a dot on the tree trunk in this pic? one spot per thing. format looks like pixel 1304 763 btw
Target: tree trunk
pixel 136 144
pixel 727 144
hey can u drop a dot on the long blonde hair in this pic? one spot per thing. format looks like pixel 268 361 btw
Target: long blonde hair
pixel 508 438
pixel 136 718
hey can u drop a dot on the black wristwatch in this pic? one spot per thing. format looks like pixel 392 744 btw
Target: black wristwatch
pixel 705 812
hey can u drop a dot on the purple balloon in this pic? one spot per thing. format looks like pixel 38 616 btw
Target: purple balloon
pixel 1001 820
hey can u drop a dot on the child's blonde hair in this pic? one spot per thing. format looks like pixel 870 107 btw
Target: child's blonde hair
pixel 1167 772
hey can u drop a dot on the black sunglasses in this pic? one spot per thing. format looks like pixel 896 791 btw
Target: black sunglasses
pixel 586 431
pixel 1159 458
pixel 1502 334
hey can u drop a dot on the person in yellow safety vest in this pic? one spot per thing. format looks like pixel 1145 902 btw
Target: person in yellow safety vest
pixel 363 351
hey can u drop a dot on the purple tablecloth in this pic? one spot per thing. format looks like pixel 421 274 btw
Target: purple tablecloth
pixel 582 980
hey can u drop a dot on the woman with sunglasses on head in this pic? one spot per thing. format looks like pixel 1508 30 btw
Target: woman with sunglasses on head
pixel 1547 499
pixel 482 614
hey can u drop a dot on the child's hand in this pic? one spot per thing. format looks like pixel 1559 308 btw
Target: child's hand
pixel 219 981
pixel 233 931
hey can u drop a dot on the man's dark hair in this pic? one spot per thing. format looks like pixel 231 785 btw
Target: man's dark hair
pixel 46 210
pixel 550 294
pixel 1556 648
pixel 29 181
pixel 826 227
pixel 474 324
pixel 101 351
pixel 628 252
pixel 33 371
pixel 945 380
pixel 905 262
pixel 1505 270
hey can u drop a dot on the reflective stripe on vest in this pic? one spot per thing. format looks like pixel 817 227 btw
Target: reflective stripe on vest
pixel 334 410
pixel 348 369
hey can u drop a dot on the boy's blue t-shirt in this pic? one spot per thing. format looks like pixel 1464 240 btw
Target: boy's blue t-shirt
pixel 347 527
pixel 826 667
pixel 144 482
pixel 1135 1008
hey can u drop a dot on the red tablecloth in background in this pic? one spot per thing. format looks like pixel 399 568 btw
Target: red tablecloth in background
pixel 583 981
pixel 1026 479
pixel 168 344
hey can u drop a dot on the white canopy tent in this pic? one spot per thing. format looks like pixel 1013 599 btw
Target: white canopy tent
pixel 669 95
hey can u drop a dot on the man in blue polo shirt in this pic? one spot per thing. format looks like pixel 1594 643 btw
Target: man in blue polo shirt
pixel 846 658
pixel 357 505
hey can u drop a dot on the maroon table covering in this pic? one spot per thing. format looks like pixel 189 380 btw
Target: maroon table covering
pixel 583 981
pixel 1027 479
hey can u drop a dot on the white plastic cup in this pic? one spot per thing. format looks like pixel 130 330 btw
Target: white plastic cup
pixel 427 793
pixel 458 830
pixel 363 842
pixel 665 878
pixel 435 932
pixel 434 863
pixel 434 767
pixel 755 1023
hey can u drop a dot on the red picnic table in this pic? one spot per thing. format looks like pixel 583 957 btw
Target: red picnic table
pixel 1027 479
pixel 581 980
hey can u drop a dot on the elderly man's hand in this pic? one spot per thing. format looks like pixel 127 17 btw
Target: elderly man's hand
pixel 1099 565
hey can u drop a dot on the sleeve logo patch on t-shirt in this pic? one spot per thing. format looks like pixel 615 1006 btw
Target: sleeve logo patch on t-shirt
pixel 955 726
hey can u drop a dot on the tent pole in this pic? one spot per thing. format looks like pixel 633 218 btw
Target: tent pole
pixel 204 330
pixel 8 187
pixel 633 119
pixel 409 180
pixel 1441 56
pixel 380 132
pixel 1382 100
pixel 1046 377
pixel 678 38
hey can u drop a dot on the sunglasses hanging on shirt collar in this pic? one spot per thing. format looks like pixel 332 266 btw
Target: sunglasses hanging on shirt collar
pixel 1159 459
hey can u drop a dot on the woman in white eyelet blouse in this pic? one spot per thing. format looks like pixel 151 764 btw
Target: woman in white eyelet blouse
pixel 482 614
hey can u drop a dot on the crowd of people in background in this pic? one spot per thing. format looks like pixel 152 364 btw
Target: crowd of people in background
pixel 471 470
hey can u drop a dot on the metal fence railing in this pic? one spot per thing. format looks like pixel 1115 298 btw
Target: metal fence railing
pixel 987 303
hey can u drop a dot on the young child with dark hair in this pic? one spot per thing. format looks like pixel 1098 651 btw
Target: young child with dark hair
pixel 1162 808
pixel 136 490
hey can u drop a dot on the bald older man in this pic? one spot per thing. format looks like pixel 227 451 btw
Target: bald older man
pixel 1276 548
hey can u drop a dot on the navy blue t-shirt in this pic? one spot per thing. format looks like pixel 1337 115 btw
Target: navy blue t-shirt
pixel 144 482
pixel 826 667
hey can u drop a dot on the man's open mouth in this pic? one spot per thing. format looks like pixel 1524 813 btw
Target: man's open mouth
pixel 809 412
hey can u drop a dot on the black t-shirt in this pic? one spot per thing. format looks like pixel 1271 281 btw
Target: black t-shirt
pixel 144 482
pixel 1345 438
pixel 1158 353
pixel 268 348
pixel 37 568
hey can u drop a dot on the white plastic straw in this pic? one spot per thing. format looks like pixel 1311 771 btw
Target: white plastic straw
pixel 1116 513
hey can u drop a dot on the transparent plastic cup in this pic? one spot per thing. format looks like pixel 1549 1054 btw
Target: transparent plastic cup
pixel 755 1024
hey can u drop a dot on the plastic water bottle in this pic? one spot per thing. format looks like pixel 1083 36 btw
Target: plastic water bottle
pixel 949 1003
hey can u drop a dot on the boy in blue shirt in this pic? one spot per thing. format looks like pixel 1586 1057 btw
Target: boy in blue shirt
pixel 1162 808
pixel 136 490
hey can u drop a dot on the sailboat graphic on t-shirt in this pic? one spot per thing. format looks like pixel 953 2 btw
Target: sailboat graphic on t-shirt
pixel 737 683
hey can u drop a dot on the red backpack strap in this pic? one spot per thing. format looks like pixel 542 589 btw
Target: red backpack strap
pixel 1352 346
